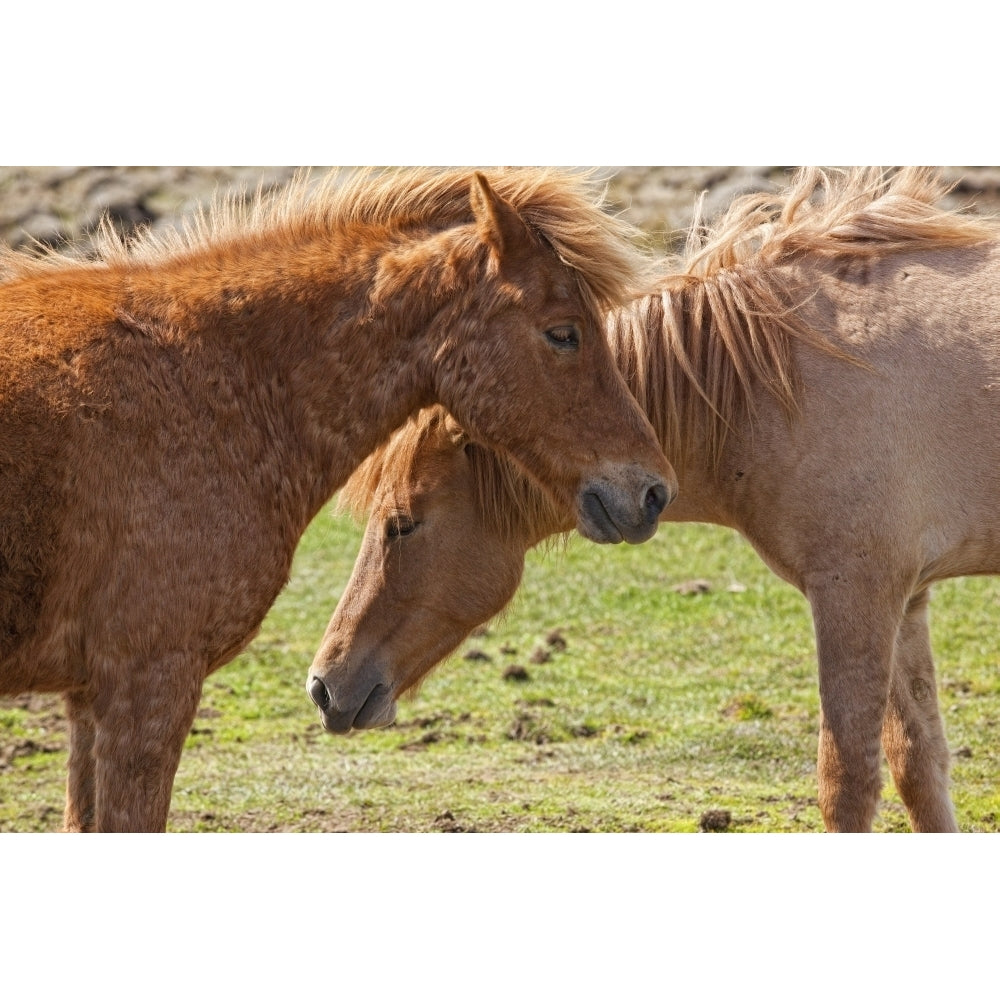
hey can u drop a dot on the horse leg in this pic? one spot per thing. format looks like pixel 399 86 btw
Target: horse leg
pixel 913 735
pixel 142 722
pixel 855 633
pixel 80 787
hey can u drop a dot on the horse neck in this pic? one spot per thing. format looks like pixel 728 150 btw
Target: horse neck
pixel 332 341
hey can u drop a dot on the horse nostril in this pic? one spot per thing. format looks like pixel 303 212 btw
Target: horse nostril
pixel 655 501
pixel 319 694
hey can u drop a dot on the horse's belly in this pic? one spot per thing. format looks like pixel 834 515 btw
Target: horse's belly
pixel 978 555
pixel 25 668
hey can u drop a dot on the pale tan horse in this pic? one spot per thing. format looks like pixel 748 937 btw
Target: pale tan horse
pixel 823 371
pixel 175 412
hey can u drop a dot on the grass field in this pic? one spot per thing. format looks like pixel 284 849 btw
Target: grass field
pixel 644 704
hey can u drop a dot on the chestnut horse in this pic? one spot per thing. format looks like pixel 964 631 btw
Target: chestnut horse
pixel 823 371
pixel 175 412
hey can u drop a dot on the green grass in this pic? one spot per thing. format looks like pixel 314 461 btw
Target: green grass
pixel 661 707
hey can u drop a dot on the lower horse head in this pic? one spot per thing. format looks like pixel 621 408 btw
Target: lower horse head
pixel 443 552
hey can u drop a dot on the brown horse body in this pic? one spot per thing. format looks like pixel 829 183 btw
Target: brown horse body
pixel 825 378
pixel 173 415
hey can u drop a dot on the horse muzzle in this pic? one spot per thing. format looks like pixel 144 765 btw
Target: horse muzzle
pixel 609 513
pixel 369 706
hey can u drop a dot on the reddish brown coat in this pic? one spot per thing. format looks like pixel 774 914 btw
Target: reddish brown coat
pixel 174 414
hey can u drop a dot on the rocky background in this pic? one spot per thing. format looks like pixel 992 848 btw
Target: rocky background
pixel 60 205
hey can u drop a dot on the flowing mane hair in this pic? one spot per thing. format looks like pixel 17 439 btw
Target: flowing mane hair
pixel 721 322
pixel 723 319
pixel 566 209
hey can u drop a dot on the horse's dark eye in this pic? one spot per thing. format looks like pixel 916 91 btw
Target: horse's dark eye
pixel 564 336
pixel 399 525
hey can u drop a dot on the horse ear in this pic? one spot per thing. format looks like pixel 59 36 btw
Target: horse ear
pixel 455 431
pixel 498 224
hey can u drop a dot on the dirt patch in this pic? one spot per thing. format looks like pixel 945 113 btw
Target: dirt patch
pixel 446 823
pixel 556 640
pixel 515 672
pixel 528 728
pixel 424 741
pixel 715 821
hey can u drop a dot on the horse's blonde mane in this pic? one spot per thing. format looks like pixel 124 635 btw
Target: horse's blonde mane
pixel 864 211
pixel 508 500
pixel 393 460
pixel 720 322
pixel 566 208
